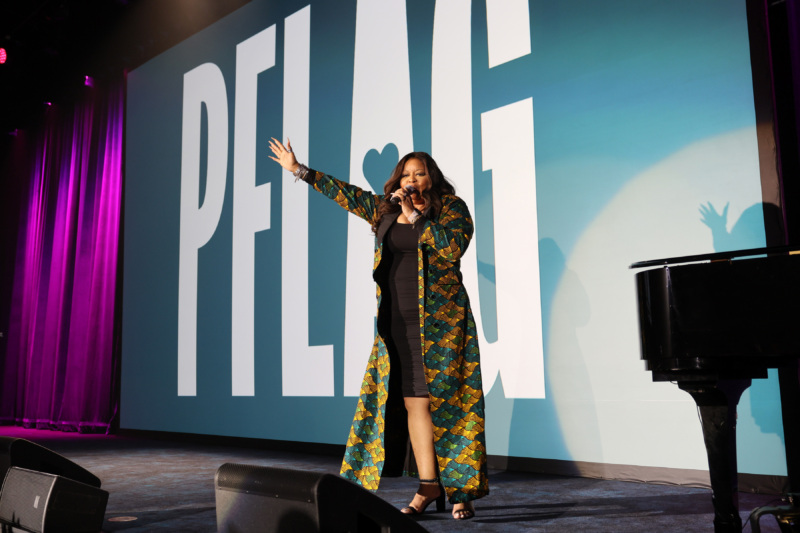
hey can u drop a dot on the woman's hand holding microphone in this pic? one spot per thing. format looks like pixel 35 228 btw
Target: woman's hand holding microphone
pixel 404 197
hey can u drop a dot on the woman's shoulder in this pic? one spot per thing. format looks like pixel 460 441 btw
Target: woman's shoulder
pixel 453 204
pixel 450 198
pixel 452 201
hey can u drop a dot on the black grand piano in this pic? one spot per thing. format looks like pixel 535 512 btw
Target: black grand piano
pixel 712 323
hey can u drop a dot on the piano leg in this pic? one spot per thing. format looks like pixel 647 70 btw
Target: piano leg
pixel 717 402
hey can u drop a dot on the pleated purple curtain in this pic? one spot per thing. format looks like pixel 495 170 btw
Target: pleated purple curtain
pixel 60 370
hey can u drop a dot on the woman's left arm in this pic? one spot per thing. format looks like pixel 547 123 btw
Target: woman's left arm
pixel 449 236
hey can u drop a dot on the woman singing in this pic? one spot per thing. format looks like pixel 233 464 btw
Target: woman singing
pixel 426 334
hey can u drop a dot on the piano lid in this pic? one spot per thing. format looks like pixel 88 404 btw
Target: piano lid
pixel 717 256
pixel 739 313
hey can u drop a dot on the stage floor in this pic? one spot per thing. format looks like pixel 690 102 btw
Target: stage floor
pixel 168 485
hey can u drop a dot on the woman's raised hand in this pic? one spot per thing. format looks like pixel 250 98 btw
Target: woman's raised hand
pixel 284 155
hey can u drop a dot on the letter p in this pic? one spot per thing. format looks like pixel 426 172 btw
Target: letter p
pixel 202 85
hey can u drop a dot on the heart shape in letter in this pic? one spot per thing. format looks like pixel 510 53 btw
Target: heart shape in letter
pixel 378 166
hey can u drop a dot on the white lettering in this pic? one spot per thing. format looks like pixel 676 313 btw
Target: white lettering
pixel 297 356
pixel 381 115
pixel 251 206
pixel 508 150
pixel 508 30
pixel 202 85
pixel 517 356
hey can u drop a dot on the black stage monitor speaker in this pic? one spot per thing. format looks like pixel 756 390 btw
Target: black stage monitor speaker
pixel 46 503
pixel 26 454
pixel 265 499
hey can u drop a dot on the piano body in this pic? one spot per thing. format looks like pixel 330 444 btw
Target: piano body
pixel 712 323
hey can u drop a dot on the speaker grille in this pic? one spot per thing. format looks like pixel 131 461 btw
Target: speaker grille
pixel 25 502
pixel 42 502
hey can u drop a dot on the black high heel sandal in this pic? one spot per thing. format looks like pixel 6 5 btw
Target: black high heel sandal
pixel 426 490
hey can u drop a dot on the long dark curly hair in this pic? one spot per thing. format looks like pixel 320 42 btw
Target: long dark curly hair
pixel 432 197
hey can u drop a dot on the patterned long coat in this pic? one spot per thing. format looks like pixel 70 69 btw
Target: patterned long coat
pixel 450 352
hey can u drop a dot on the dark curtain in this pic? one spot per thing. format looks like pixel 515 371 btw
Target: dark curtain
pixel 60 368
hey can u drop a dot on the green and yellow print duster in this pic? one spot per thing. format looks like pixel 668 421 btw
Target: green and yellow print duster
pixel 378 442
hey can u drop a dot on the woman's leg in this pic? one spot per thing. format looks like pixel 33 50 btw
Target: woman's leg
pixel 420 431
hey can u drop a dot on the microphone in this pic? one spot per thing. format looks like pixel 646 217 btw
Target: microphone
pixel 410 189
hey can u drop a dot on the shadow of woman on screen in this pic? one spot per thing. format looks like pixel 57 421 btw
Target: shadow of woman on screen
pixel 749 232
pixel 537 426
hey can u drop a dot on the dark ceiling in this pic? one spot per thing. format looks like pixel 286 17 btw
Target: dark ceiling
pixel 53 44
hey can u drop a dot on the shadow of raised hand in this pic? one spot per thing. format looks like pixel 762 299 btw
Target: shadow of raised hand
pixel 712 219
pixel 718 223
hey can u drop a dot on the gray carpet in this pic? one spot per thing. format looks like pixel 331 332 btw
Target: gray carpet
pixel 168 485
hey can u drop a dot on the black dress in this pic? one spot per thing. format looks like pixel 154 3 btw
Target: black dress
pixel 402 243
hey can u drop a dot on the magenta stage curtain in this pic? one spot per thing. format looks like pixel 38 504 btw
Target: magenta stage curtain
pixel 60 370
